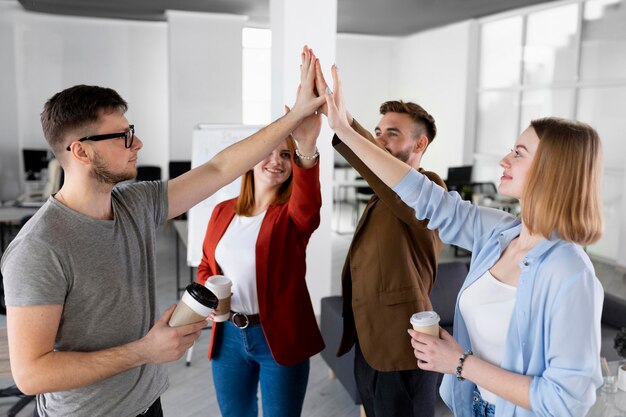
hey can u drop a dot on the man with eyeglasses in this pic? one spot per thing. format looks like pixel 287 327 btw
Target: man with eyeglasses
pixel 84 334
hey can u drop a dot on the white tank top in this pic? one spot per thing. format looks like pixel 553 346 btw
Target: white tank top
pixel 486 306
pixel 235 253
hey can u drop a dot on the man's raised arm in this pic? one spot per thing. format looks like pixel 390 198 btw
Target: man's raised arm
pixel 196 185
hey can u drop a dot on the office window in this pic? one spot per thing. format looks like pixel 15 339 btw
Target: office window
pixel 539 103
pixel 550 45
pixel 497 122
pixel 603 45
pixel 500 50
pixel 566 60
pixel 598 107
pixel 257 76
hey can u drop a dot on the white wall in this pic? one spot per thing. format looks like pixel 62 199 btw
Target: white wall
pixel 365 66
pixel 430 68
pixel 9 137
pixel 205 59
pixel 43 54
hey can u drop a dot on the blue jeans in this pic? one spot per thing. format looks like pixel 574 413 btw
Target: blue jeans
pixel 481 407
pixel 241 360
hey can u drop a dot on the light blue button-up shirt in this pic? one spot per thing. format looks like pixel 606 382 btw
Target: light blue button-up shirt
pixel 554 332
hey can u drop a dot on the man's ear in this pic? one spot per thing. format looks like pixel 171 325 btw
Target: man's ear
pixel 80 153
pixel 420 144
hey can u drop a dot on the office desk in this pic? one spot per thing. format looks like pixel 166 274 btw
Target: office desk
pixel 11 216
pixel 341 190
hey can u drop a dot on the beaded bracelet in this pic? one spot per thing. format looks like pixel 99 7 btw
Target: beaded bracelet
pixel 459 367
pixel 308 158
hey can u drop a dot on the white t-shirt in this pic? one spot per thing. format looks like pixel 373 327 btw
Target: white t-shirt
pixel 486 306
pixel 236 255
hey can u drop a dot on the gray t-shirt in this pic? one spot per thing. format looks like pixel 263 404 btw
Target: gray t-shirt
pixel 103 272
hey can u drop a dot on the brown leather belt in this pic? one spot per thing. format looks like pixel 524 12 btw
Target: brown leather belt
pixel 243 320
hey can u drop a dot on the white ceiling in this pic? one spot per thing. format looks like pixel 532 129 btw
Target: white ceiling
pixel 374 17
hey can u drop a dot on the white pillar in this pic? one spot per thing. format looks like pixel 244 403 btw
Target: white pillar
pixel 295 24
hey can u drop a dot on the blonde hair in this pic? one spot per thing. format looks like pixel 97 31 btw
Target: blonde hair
pixel 562 192
pixel 245 201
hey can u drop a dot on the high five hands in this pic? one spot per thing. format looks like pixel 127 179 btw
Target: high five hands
pixel 334 106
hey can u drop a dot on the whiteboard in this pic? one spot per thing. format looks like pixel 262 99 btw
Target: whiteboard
pixel 207 141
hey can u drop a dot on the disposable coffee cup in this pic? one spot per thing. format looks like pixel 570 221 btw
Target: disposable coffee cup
pixel 426 322
pixel 221 287
pixel 194 306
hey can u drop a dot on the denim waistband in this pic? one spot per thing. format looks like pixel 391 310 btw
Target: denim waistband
pixel 481 407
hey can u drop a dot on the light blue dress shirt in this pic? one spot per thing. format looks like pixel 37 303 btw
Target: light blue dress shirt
pixel 554 332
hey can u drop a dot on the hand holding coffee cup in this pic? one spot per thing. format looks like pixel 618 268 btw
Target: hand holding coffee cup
pixel 194 306
pixel 426 322
pixel 221 287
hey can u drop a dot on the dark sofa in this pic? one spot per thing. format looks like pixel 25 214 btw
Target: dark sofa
pixel 613 319
pixel 450 277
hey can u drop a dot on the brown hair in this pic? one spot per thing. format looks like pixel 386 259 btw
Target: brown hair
pixel 75 108
pixel 420 116
pixel 562 192
pixel 245 201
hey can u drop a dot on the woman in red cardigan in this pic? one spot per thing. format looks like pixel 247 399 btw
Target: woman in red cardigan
pixel 259 240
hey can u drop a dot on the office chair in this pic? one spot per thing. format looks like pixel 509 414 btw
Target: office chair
pixel 362 196
pixel 148 173
pixel 177 168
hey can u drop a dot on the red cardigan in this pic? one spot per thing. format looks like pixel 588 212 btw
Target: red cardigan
pixel 285 308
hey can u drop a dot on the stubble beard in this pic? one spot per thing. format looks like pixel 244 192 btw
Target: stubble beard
pixel 104 175
pixel 403 155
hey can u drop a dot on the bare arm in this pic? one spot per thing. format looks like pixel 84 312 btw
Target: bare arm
pixel 38 368
pixel 196 185
pixel 442 355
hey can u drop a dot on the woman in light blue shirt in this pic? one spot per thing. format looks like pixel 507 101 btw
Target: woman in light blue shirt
pixel 531 303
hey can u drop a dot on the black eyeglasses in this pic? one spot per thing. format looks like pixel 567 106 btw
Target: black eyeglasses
pixel 128 136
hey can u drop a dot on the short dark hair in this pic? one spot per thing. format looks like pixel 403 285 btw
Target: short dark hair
pixel 75 108
pixel 417 113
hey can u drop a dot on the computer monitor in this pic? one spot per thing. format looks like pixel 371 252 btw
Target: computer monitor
pixel 35 160
pixel 459 176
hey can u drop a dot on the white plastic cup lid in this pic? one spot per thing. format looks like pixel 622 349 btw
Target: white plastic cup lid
pixel 424 318
pixel 220 285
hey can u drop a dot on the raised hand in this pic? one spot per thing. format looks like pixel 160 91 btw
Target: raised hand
pixel 336 112
pixel 307 102
pixel 321 86
pixel 307 132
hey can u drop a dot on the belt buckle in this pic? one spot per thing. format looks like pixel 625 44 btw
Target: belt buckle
pixel 242 315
